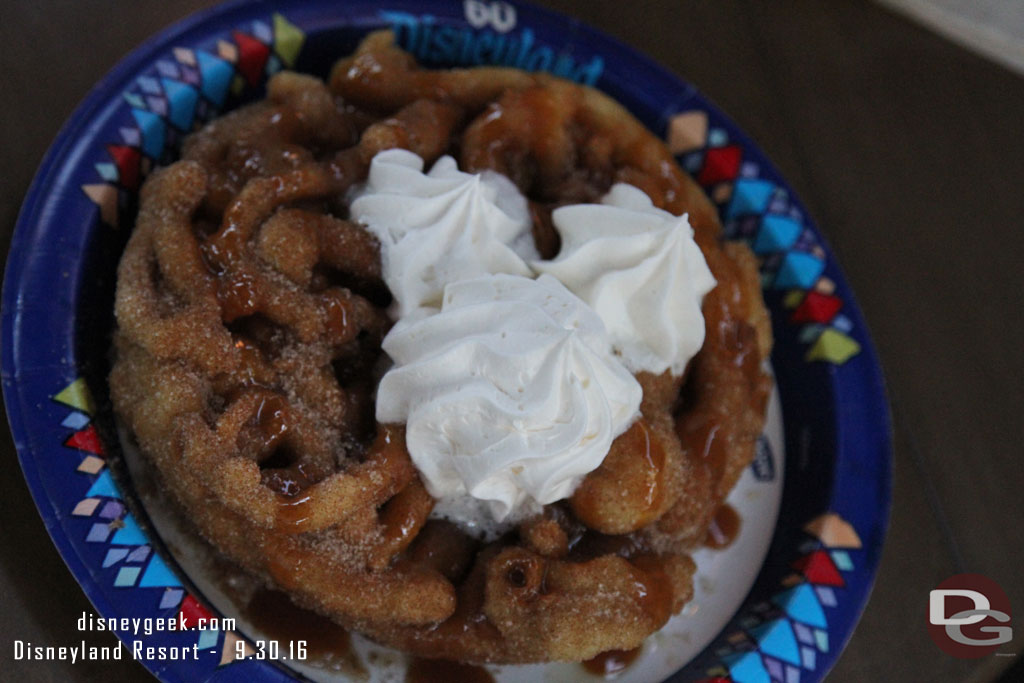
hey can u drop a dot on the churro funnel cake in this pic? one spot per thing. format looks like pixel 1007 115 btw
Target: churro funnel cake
pixel 456 358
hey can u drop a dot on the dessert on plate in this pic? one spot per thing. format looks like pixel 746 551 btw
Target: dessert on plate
pixel 457 358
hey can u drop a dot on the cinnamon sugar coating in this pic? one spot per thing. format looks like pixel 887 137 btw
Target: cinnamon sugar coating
pixel 250 313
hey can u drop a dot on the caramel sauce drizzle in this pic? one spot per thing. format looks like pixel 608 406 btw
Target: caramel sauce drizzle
pixel 295 504
pixel 611 663
pixel 404 515
pixel 724 527
pixel 238 296
pixel 654 459
pixel 273 421
pixel 443 671
pixel 274 614
pixel 704 446
pixel 294 512
pixel 654 588
pixel 336 307
pixel 634 469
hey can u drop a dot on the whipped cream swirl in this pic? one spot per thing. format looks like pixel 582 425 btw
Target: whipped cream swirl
pixel 441 226
pixel 510 394
pixel 640 269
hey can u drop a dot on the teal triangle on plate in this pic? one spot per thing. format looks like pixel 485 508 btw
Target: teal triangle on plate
pixel 152 127
pixel 182 98
pixel 799 270
pixel 777 233
pixel 129 534
pixel 747 667
pixel 776 639
pixel 158 574
pixel 801 604
pixel 750 196
pixel 216 75
pixel 103 486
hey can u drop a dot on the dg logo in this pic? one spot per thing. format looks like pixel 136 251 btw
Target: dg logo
pixel 969 616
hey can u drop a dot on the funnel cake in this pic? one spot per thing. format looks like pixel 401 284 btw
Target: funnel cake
pixel 250 315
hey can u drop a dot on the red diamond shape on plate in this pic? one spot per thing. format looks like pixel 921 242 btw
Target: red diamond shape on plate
pixel 252 57
pixel 720 164
pixel 86 440
pixel 127 160
pixel 819 569
pixel 817 308
pixel 192 611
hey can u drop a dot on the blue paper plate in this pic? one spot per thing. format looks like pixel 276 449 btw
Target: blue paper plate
pixel 58 301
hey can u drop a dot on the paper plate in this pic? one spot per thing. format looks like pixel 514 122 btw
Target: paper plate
pixel 811 571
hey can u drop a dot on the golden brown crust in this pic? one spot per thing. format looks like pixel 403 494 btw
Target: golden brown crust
pixel 250 315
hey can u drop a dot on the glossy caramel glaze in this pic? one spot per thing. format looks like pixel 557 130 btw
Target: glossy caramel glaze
pixel 611 663
pixel 275 615
pixel 724 527
pixel 443 671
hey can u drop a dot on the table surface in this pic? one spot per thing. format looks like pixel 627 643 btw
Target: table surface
pixel 906 149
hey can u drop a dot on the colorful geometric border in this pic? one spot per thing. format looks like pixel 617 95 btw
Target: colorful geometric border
pixel 176 96
pixel 781 638
pixel 212 61
pixel 760 211
pixel 181 93
pixel 129 561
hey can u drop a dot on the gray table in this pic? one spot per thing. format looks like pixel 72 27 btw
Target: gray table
pixel 907 150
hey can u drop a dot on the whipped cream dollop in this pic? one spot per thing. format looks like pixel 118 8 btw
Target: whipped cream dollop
pixel 442 226
pixel 510 394
pixel 640 269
